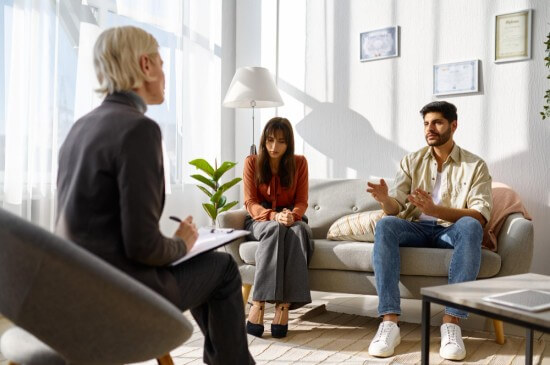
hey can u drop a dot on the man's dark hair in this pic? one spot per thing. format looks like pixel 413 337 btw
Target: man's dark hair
pixel 447 109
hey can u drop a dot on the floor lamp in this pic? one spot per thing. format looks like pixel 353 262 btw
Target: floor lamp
pixel 252 87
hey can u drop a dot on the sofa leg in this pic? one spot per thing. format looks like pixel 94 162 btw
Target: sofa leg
pixel 246 293
pixel 165 360
pixel 499 331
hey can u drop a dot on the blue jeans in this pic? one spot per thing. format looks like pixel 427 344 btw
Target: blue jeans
pixel 464 237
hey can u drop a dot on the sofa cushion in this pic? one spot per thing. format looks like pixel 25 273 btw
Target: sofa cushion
pixel 355 227
pixel 357 256
pixel 331 199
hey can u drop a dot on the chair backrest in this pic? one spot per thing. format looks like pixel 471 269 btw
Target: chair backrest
pixel 79 305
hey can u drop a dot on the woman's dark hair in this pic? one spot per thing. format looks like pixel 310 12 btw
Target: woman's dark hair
pixel 287 167
pixel 447 109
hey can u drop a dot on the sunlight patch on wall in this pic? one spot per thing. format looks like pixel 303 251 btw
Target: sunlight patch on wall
pixel 292 42
pixel 293 110
pixel 319 51
pixel 319 166
pixel 269 36
pixel 351 173
pixel 507 114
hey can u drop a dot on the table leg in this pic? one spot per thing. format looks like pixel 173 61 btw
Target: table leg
pixel 529 346
pixel 425 332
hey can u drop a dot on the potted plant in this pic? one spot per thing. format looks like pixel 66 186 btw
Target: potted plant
pixel 213 187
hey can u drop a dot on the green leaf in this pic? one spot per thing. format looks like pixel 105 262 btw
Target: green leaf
pixel 229 206
pixel 227 165
pixel 222 201
pixel 203 165
pixel 210 210
pixel 204 190
pixel 204 180
pixel 216 197
pixel 229 184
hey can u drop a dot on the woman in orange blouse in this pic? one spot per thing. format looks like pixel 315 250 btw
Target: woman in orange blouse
pixel 275 194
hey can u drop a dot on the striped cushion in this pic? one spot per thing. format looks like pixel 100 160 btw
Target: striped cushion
pixel 355 227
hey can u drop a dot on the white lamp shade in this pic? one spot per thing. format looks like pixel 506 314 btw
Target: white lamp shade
pixel 252 86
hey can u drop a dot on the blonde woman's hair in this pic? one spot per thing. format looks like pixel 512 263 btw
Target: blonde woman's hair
pixel 116 58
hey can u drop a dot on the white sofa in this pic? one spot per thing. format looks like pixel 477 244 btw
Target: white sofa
pixel 346 267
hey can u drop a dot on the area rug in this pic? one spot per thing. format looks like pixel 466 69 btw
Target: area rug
pixel 317 336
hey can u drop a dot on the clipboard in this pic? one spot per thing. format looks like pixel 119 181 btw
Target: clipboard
pixel 210 239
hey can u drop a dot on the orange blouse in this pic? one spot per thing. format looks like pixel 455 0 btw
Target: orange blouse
pixel 274 193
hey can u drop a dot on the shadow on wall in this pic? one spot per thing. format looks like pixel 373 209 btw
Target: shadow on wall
pixel 349 139
pixel 528 174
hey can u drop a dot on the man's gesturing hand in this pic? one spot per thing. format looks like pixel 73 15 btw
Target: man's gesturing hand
pixel 423 201
pixel 378 191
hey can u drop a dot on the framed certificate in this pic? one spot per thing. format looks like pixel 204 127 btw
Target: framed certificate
pixel 456 78
pixel 513 36
pixel 379 43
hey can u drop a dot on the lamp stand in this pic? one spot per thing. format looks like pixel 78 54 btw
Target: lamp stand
pixel 253 146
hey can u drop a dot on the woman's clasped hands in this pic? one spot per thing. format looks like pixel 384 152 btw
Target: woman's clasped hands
pixel 285 217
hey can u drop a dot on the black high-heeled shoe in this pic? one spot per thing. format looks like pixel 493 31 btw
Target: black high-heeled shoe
pixel 279 330
pixel 255 329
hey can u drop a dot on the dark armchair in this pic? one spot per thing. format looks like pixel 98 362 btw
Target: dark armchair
pixel 71 307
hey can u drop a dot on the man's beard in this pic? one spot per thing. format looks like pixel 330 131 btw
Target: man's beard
pixel 441 140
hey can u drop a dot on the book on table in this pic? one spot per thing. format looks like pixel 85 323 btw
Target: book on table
pixel 526 299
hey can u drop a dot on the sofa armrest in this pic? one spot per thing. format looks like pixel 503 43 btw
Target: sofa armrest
pixel 515 245
pixel 233 219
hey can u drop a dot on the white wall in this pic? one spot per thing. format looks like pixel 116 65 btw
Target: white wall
pixel 357 119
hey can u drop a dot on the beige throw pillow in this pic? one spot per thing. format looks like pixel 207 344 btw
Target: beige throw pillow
pixel 355 227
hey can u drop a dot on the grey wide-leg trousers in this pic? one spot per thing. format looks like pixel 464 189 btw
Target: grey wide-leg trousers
pixel 282 259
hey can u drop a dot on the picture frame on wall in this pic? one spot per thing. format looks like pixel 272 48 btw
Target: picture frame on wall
pixel 456 78
pixel 379 44
pixel 513 36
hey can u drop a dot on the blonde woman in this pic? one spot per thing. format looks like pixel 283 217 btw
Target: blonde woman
pixel 111 195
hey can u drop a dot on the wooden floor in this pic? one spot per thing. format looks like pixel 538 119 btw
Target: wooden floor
pixel 342 333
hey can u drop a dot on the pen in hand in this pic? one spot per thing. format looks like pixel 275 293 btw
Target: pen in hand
pixel 186 231
pixel 174 218
pixel 213 230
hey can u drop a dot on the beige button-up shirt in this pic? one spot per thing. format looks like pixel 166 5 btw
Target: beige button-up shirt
pixel 465 182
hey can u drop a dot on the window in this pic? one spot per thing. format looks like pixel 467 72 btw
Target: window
pixel 47 82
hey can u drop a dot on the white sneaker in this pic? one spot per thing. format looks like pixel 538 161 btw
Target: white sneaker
pixel 452 347
pixel 386 339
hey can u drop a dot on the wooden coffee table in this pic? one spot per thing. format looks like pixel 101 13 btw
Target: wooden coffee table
pixel 468 296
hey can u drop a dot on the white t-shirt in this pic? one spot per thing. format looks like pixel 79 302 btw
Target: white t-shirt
pixel 436 196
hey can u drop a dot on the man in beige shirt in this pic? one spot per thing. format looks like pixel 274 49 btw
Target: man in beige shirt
pixel 442 199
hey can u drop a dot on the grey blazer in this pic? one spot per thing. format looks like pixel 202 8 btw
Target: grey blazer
pixel 110 192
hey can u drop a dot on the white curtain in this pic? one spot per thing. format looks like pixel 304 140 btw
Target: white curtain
pixel 48 82
pixel 189 33
pixel 29 120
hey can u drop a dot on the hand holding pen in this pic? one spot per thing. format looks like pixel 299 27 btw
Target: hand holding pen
pixel 187 231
